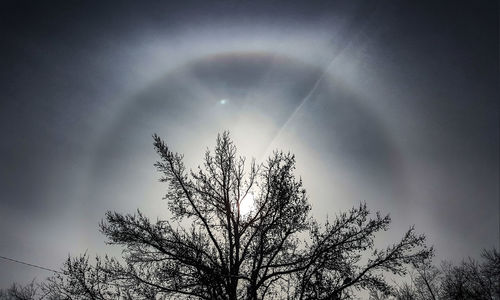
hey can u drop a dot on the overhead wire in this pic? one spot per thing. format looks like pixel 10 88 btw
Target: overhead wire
pixel 31 265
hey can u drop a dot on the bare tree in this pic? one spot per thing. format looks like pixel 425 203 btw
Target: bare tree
pixel 22 292
pixel 274 251
pixel 471 279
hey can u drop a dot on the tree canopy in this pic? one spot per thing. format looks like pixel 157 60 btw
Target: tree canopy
pixel 471 279
pixel 213 249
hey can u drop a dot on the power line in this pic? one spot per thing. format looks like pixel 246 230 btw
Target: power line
pixel 31 265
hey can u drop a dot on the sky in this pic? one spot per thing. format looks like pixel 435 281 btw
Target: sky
pixel 391 104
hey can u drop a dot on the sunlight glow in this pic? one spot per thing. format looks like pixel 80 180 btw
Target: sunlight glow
pixel 247 204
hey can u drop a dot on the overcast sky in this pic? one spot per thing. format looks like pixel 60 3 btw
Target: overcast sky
pixel 389 104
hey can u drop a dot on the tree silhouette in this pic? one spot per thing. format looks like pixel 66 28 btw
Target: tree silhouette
pixel 471 279
pixel 276 250
pixel 19 292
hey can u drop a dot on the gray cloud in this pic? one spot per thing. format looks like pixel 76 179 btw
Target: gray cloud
pixel 404 115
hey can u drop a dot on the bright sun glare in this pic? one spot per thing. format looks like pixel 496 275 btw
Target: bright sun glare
pixel 247 204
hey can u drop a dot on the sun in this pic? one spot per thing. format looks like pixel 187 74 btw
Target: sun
pixel 247 204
